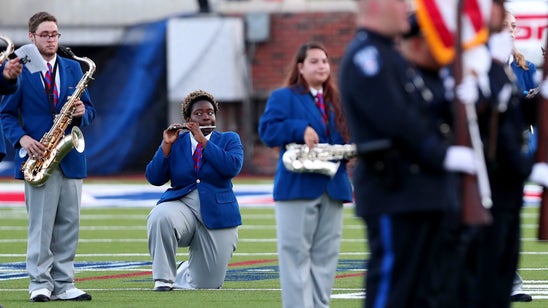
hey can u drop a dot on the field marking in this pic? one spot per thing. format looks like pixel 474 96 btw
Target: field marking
pixel 144 227
pixel 144 240
pixel 150 289
pixel 183 254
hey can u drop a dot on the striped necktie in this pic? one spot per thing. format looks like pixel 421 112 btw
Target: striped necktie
pixel 197 156
pixel 49 81
pixel 321 105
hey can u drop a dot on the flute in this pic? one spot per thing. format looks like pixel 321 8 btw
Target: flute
pixel 179 126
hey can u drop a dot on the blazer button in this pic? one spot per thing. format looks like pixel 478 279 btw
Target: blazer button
pixel 198 181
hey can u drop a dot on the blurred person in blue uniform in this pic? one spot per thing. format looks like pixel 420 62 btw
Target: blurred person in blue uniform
pixel 493 256
pixel 406 191
pixel 199 210
pixel 431 82
pixel 308 205
pixel 10 69
pixel 9 82
pixel 525 73
pixel 54 207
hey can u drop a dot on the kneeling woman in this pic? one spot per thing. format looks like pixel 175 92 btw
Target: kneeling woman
pixel 199 210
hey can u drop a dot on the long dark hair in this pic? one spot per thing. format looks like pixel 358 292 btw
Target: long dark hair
pixel 331 95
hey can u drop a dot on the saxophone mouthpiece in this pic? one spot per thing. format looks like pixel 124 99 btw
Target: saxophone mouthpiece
pixel 66 51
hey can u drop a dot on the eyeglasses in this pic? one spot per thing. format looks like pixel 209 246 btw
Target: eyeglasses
pixel 46 35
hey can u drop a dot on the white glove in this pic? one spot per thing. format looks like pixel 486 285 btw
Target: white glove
pixel 504 97
pixel 461 159
pixel 544 88
pixel 483 84
pixel 500 46
pixel 467 90
pixel 477 60
pixel 539 174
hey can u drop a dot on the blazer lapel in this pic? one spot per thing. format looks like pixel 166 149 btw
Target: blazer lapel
pixel 37 85
pixel 63 81
pixel 186 146
pixel 312 113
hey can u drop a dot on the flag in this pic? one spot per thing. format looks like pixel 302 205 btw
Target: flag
pixel 438 21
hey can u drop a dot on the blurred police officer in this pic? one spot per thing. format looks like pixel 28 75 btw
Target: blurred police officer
pixel 404 191
pixel 493 256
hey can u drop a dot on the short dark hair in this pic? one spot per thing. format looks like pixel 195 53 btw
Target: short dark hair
pixel 39 18
pixel 195 96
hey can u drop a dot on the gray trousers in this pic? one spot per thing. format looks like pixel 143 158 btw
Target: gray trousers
pixel 309 236
pixel 517 285
pixel 178 223
pixel 53 225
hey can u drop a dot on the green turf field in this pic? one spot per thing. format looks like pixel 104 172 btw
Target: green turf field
pixel 113 263
pixel 119 235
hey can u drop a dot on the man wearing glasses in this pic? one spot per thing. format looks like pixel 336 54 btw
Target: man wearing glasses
pixel 54 207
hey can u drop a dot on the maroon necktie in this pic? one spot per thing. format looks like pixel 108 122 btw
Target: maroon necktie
pixel 321 105
pixel 49 83
pixel 197 156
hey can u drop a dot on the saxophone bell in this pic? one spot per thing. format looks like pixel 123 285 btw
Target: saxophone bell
pixel 39 169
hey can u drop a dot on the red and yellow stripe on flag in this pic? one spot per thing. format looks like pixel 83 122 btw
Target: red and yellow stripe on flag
pixel 438 21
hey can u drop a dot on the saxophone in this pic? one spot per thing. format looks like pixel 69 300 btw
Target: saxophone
pixel 9 49
pixel 37 170
pixel 323 158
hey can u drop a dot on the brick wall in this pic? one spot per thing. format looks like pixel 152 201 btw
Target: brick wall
pixel 287 32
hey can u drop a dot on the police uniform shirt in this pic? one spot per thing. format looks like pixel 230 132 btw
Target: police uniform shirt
pixel 381 102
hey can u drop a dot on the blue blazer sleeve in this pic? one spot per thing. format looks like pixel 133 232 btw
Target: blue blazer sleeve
pixel 2 143
pixel 7 86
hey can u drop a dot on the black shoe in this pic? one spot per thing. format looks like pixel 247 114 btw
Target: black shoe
pixel 163 288
pixel 83 297
pixel 521 297
pixel 40 298
pixel 73 294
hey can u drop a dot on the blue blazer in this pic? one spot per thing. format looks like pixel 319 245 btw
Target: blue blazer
pixel 222 160
pixel 6 87
pixel 287 114
pixel 525 79
pixel 31 102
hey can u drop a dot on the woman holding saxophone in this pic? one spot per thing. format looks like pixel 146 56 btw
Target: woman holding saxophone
pixel 308 205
